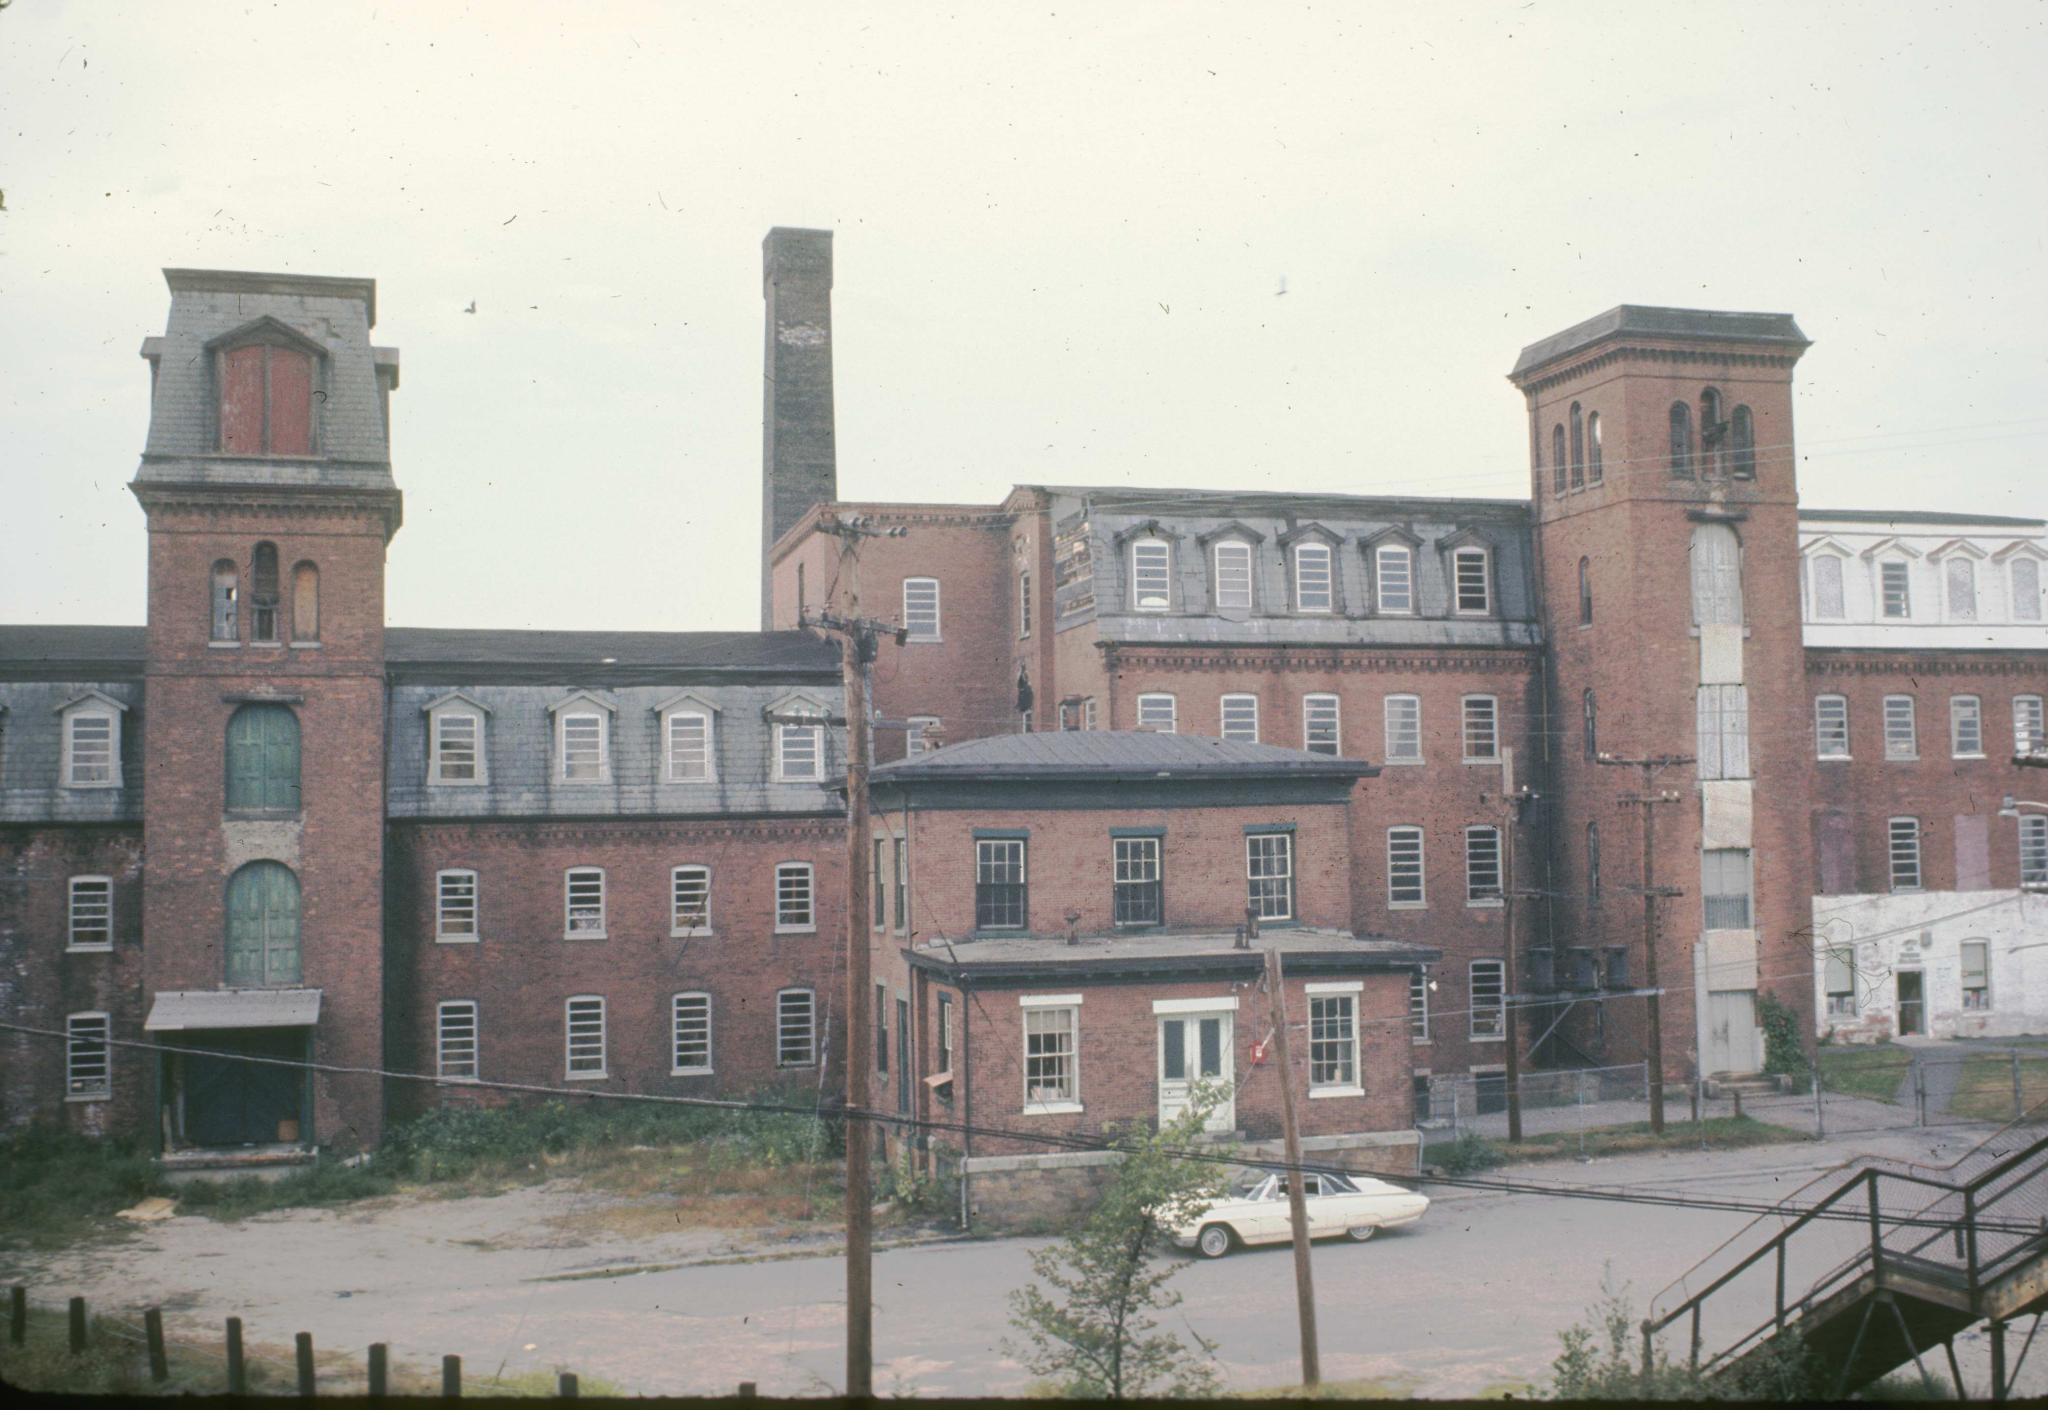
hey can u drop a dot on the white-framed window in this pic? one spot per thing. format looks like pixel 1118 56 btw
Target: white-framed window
pixel 455 1040
pixel 1404 729
pixel 1241 718
pixel 917 739
pixel 799 753
pixel 688 751
pixel 455 906
pixel 1482 866
pixel 689 894
pixel 1315 588
pixel 921 609
pixel 900 884
pixel 1727 888
pixel 1233 560
pixel 1959 574
pixel 1024 603
pixel 1320 732
pixel 1088 714
pixel 1418 1006
pixel 1976 973
pixel 1151 575
pixel 1332 1040
pixel 92 749
pixel 2024 575
pixel 794 908
pixel 583 1036
pixel 796 1028
pixel 1965 727
pixel 690 1035
pixel 1831 726
pixel 583 901
pixel 1489 999
pixel 88 1057
pixel 1269 874
pixel 1404 867
pixel 581 752
pixel 2029 725
pixel 1901 741
pixel 2033 850
pixel 1722 731
pixel 91 920
pixel 1472 582
pixel 1482 729
pixel 1840 983
pixel 456 748
pixel 1156 712
pixel 1825 594
pixel 1052 1054
pixel 1394 581
pixel 1904 835
pixel 1895 590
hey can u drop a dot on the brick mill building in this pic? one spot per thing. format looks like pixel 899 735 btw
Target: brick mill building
pixel 266 825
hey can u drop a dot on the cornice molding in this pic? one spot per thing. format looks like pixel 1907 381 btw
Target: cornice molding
pixel 1354 660
pixel 806 827
pixel 1704 356
pixel 1866 661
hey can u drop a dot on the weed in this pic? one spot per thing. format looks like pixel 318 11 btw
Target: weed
pixel 58 1181
pixel 1468 1155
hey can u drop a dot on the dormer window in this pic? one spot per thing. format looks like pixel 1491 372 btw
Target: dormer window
pixel 582 740
pixel 1960 574
pixel 1826 587
pixel 1314 586
pixel 455 741
pixel 1472 581
pixel 1394 580
pixel 688 742
pixel 2025 574
pixel 1151 574
pixel 799 745
pixel 1895 589
pixel 266 399
pixel 92 742
pixel 1233 576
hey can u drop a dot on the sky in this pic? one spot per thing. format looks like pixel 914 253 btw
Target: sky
pixel 1062 238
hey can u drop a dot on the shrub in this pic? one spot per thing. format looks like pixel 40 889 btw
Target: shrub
pixel 1468 1155
pixel 1784 1051
pixel 58 1179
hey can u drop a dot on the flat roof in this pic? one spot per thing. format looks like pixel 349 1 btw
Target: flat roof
pixel 1651 321
pixel 1097 754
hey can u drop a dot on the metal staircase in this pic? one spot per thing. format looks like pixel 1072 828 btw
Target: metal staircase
pixel 1875 1267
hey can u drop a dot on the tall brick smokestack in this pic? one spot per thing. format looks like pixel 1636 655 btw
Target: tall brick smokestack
pixel 799 467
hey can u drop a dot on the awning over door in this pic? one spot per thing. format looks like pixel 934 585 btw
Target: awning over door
pixel 190 1009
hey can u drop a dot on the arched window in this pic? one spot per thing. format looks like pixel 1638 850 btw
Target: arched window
pixel 266 400
pixel 1592 725
pixel 1716 576
pixel 305 603
pixel 1578 448
pixel 1595 470
pixel 1592 861
pixel 1557 459
pixel 1151 575
pixel 263 594
pixel 263 760
pixel 226 600
pixel 1713 434
pixel 263 926
pixel 1585 593
pixel 1681 440
pixel 1743 433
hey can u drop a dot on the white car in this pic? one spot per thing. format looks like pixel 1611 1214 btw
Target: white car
pixel 1256 1211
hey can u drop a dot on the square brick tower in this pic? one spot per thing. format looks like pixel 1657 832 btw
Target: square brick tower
pixel 267 484
pixel 1661 450
pixel 799 465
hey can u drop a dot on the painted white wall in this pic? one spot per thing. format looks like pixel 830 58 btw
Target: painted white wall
pixel 1925 550
pixel 1925 930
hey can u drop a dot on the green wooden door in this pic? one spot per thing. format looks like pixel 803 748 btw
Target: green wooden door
pixel 263 926
pixel 263 760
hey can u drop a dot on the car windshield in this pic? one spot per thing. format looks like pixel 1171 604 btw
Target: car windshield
pixel 1247 1183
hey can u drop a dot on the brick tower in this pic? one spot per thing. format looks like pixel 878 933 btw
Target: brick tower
pixel 267 484
pixel 799 466
pixel 1661 447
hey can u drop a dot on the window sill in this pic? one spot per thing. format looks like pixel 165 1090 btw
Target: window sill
pixel 90 787
pixel 1491 903
pixel 458 939
pixel 809 778
pixel 224 645
pixel 689 1072
pixel 672 779
pixel 585 1076
pixel 262 815
pixel 1407 905
pixel 796 930
pixel 1052 1108
pixel 1902 758
pixel 457 782
pixel 1482 759
pixel 1833 758
pixel 586 935
pixel 1318 1093
pixel 456 1081
pixel 90 1097
pixel 1402 763
pixel 1489 1038
pixel 266 646
pixel 1966 756
pixel 795 1066
pixel 89 949
pixel 305 646
pixel 1422 1042
pixel 561 782
pixel 923 640
pixel 693 932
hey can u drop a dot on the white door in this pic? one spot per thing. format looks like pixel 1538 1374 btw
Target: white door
pixel 1731 1032
pixel 1195 1047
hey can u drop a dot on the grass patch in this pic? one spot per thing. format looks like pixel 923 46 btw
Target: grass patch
pixel 1876 1072
pixel 329 1182
pixel 117 1364
pixel 1984 1087
pixel 1364 1388
pixel 59 1183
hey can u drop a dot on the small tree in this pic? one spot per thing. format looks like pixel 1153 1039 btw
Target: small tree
pixel 1603 1362
pixel 1096 1332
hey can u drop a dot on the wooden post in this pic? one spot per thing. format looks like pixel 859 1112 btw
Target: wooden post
pixel 379 1369
pixel 2017 1111
pixel 1650 954
pixel 746 1390
pixel 303 1345
pixel 568 1385
pixel 238 1370
pixel 1507 893
pixel 451 1378
pixel 77 1325
pixel 860 1329
pixel 17 1314
pixel 153 1334
pixel 1297 1202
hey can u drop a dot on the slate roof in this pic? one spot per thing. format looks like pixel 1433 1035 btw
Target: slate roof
pixel 32 652
pixel 1908 517
pixel 1643 321
pixel 1307 949
pixel 1096 754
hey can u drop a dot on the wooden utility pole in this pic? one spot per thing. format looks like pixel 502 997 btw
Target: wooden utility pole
pixel 1297 1202
pixel 1648 800
pixel 1509 799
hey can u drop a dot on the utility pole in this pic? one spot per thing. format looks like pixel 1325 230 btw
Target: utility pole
pixel 859 636
pixel 1297 1202
pixel 1648 800
pixel 1512 798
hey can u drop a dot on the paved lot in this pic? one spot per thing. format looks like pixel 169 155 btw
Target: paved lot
pixel 1469 1301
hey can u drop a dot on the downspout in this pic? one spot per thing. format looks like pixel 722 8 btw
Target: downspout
pixel 966 1097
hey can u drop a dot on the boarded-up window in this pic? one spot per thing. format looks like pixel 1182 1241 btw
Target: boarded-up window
pixel 1716 576
pixel 263 926
pixel 1827 587
pixel 1973 852
pixel 1834 851
pixel 266 401
pixel 263 760
pixel 1725 888
pixel 2026 590
pixel 1723 731
pixel 305 603
pixel 1841 984
pixel 1961 575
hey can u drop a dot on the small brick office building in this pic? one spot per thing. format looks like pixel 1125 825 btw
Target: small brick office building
pixel 1060 944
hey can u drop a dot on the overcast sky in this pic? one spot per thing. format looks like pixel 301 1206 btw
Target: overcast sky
pixel 1062 232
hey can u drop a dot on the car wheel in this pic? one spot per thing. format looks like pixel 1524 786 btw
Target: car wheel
pixel 1358 1234
pixel 1214 1240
